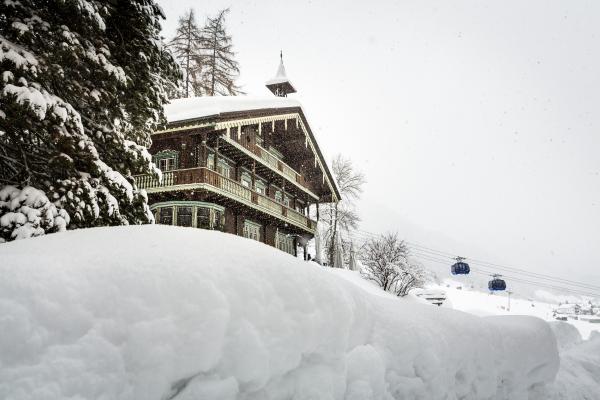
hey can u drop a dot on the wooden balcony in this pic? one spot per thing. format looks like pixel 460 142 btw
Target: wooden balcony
pixel 206 179
pixel 262 155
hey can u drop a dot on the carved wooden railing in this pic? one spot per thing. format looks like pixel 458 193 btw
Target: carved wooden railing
pixel 148 181
pixel 272 161
pixel 231 188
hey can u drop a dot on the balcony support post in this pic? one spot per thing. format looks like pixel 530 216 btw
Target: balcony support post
pixel 283 190
pixel 203 150
pixel 216 163
pixel 253 174
pixel 317 211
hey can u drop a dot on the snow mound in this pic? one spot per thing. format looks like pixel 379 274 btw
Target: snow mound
pixel 206 106
pixel 157 312
pixel 579 375
pixel 567 335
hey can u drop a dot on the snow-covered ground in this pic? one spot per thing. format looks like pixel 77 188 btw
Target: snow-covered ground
pixel 157 312
pixel 578 341
pixel 485 303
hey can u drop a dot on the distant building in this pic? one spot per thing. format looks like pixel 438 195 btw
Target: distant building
pixel 243 165
pixel 434 296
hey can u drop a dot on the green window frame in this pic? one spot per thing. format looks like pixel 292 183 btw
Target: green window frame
pixel 165 216
pixel 197 214
pixel 246 180
pixel 203 217
pixel 166 160
pixel 278 196
pixel 285 242
pixel 260 187
pixel 184 216
pixel 252 230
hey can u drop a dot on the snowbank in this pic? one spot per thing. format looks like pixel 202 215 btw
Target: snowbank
pixel 206 106
pixel 158 312
pixel 579 374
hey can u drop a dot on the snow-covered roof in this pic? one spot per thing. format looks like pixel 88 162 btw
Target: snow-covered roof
pixel 281 79
pixel 201 107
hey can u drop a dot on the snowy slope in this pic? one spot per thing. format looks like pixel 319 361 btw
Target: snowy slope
pixel 158 312
pixel 482 303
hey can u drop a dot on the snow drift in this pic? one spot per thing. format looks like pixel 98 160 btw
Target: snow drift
pixel 158 312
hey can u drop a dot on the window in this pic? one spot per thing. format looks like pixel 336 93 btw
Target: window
pixel 184 216
pixel 166 160
pixel 203 217
pixel 285 243
pixel 286 201
pixel 166 164
pixel 260 187
pixel 223 168
pixel 278 196
pixel 210 162
pixel 252 230
pixel 165 216
pixel 246 180
pixel 217 220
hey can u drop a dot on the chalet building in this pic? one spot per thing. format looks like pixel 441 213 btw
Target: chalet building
pixel 243 165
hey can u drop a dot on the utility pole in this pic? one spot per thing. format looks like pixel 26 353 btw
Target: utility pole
pixel 509 293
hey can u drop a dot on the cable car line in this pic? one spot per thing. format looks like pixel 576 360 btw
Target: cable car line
pixel 488 268
pixel 480 271
pixel 524 272
pixel 555 279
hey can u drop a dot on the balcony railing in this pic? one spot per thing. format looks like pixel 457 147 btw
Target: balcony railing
pixel 273 162
pixel 225 186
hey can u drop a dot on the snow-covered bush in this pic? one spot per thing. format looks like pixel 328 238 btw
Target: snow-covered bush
pixel 27 213
pixel 386 262
pixel 82 88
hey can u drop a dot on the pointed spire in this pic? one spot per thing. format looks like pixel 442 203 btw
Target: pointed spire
pixel 280 85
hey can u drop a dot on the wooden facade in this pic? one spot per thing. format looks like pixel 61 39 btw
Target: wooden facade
pixel 255 173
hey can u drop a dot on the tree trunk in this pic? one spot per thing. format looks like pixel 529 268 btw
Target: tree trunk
pixel 187 61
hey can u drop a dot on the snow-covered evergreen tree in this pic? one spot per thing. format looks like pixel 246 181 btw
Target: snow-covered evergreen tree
pixel 221 69
pixel 82 87
pixel 186 47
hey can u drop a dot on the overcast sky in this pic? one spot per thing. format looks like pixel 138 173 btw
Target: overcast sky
pixel 476 123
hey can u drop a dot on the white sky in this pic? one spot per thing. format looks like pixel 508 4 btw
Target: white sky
pixel 476 123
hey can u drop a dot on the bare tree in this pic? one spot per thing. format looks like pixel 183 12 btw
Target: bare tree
pixel 386 262
pixel 186 48
pixel 221 69
pixel 342 216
